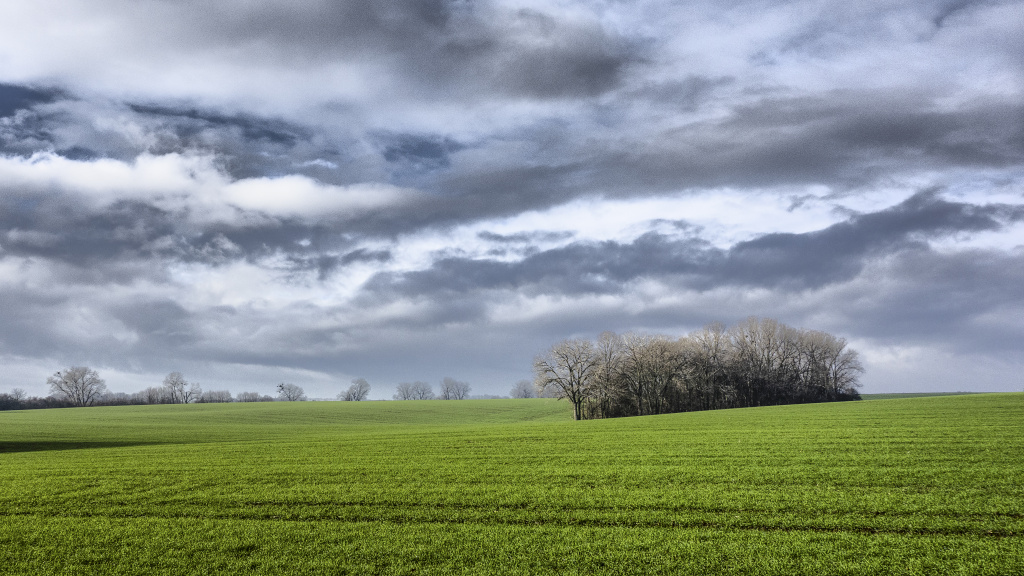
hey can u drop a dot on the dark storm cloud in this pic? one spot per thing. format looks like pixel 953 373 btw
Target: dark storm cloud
pixel 437 46
pixel 790 262
pixel 968 301
pixel 326 264
pixel 410 155
pixel 840 251
pixel 848 139
pixel 55 228
pixel 190 122
pixel 160 324
pixel 14 98
pixel 845 141
pixel 128 240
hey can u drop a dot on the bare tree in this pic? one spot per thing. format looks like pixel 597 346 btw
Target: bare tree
pixel 8 402
pixel 414 391
pixel 80 385
pixel 523 389
pixel 568 368
pixel 215 396
pixel 422 391
pixel 357 392
pixel 290 392
pixel 18 394
pixel 179 390
pixel 452 389
pixel 253 397
pixel 403 391
pixel 635 368
pixel 152 395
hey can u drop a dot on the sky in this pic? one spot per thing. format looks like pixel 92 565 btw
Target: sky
pixel 253 192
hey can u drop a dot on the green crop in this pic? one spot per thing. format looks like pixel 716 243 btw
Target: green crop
pixel 918 486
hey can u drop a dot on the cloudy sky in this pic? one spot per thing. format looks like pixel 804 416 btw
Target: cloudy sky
pixel 256 191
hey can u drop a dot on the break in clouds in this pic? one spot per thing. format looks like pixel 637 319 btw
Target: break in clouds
pixel 252 193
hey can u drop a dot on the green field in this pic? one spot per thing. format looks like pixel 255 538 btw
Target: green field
pixel 900 395
pixel 918 486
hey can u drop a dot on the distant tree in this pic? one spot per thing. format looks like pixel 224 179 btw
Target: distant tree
pixel 253 397
pixel 568 369
pixel 422 391
pixel 18 394
pixel 79 385
pixel 358 391
pixel 152 395
pixel 290 392
pixel 179 390
pixel 115 399
pixel 523 389
pixel 9 402
pixel 215 396
pixel 414 391
pixel 403 391
pixel 452 389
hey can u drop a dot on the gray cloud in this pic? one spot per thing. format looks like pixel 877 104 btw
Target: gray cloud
pixel 790 262
pixel 327 186
pixel 14 98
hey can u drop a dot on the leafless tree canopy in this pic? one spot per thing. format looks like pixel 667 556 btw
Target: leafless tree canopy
pixel 80 385
pixel 523 389
pixel 180 391
pixel 756 363
pixel 413 391
pixel 290 392
pixel 452 389
pixel 215 396
pixel 253 397
pixel 568 369
pixel 358 391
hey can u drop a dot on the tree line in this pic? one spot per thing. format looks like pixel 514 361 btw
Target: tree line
pixel 451 389
pixel 82 386
pixel 758 362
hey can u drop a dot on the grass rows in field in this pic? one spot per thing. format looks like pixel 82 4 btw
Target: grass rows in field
pixel 912 472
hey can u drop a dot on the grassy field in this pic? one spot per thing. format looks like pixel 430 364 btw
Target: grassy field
pixel 919 486
pixel 899 395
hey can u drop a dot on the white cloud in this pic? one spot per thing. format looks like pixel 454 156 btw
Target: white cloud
pixel 193 184
pixel 302 196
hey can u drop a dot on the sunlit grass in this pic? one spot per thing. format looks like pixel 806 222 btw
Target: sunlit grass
pixel 924 485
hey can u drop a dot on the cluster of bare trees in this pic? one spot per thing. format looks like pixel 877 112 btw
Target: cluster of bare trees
pixel 18 399
pixel 82 386
pixel 758 362
pixel 357 392
pixel 175 390
pixel 451 389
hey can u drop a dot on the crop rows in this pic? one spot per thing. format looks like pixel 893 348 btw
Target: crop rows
pixel 925 485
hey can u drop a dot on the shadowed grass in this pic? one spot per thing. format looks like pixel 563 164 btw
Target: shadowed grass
pixel 29 446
